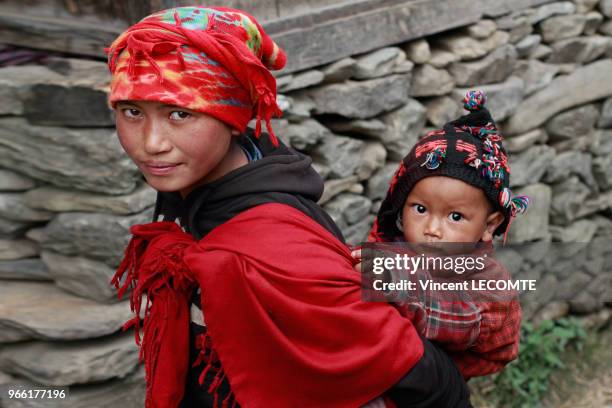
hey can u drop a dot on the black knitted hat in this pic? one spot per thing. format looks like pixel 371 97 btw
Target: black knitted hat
pixel 468 149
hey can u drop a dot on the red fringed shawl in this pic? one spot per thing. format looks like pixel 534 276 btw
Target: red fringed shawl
pixel 283 311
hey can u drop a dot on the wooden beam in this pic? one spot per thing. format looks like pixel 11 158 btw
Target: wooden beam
pixel 323 35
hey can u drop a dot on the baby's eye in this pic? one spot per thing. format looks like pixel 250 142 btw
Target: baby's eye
pixel 419 208
pixel 131 113
pixel 455 216
pixel 179 115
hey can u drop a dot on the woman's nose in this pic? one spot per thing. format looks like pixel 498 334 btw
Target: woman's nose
pixel 155 139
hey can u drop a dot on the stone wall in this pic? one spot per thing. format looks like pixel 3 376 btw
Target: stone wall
pixel 68 195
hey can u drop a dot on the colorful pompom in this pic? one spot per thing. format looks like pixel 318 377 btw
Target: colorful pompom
pixel 474 100
pixel 517 204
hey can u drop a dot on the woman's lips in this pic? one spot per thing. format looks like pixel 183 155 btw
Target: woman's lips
pixel 160 168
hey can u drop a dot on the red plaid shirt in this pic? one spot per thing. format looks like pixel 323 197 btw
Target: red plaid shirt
pixel 480 336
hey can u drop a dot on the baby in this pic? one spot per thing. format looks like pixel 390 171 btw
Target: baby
pixel 453 188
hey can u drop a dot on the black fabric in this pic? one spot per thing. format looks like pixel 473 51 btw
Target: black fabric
pixel 434 382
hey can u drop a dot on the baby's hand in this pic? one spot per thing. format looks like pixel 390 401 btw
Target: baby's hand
pixel 356 254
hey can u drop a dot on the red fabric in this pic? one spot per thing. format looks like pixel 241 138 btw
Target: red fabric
pixel 284 314
pixel 211 60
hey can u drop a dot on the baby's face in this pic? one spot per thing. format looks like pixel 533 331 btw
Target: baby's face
pixel 175 148
pixel 444 209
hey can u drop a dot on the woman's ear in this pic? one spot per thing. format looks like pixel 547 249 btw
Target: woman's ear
pixel 493 221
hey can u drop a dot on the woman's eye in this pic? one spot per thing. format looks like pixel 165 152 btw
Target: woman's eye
pixel 419 208
pixel 131 112
pixel 455 216
pixel 179 115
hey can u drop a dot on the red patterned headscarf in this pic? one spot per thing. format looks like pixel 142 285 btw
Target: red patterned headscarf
pixel 211 60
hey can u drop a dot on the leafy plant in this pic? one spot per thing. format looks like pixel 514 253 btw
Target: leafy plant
pixel 524 382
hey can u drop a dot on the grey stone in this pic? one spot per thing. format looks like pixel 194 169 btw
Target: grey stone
pixel 594 21
pixel 441 58
pixel 603 142
pixel 562 27
pixel 78 99
pixel 363 127
pixel 531 165
pixel 300 107
pixel 378 184
pixel 533 224
pixel 17 249
pixel 591 299
pixel 541 52
pixel 338 153
pixel 305 134
pixel 605 120
pixel 586 84
pixel 552 9
pixel 602 170
pixel 377 63
pixel 568 198
pixel 357 233
pixel 61 316
pixel 11 228
pixel 496 67
pixel 604 225
pixel 482 29
pixel 363 99
pixel 283 81
pixel 497 40
pixel 127 393
pixel 528 45
pixel 510 259
pixel 521 30
pixel 403 127
pixel 535 252
pixel 372 157
pixel 441 110
pixel 24 269
pixel 606 7
pixel 14 207
pixel 339 70
pixel 15 83
pixel 580 50
pixel 573 284
pixel 353 207
pixel 356 188
pixel 518 144
pixel 598 203
pixel 402 65
pixel 584 143
pixel 606 28
pixel 322 169
pixel 578 231
pixel 11 181
pixel 55 199
pixel 585 6
pixel 63 364
pixel 334 187
pixel 535 74
pixel 503 99
pixel 552 311
pixel 513 20
pixel 463 46
pixel 304 80
pixel 418 51
pixel 80 276
pixel 375 206
pixel 573 123
pixel 568 163
pixel 98 236
pixel 430 81
pixel 86 159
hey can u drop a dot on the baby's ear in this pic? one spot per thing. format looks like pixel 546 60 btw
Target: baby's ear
pixel 494 220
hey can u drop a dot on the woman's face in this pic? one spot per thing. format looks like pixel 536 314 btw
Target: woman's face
pixel 175 148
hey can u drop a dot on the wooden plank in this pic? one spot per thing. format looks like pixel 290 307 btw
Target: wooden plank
pixel 325 34
pixel 331 34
